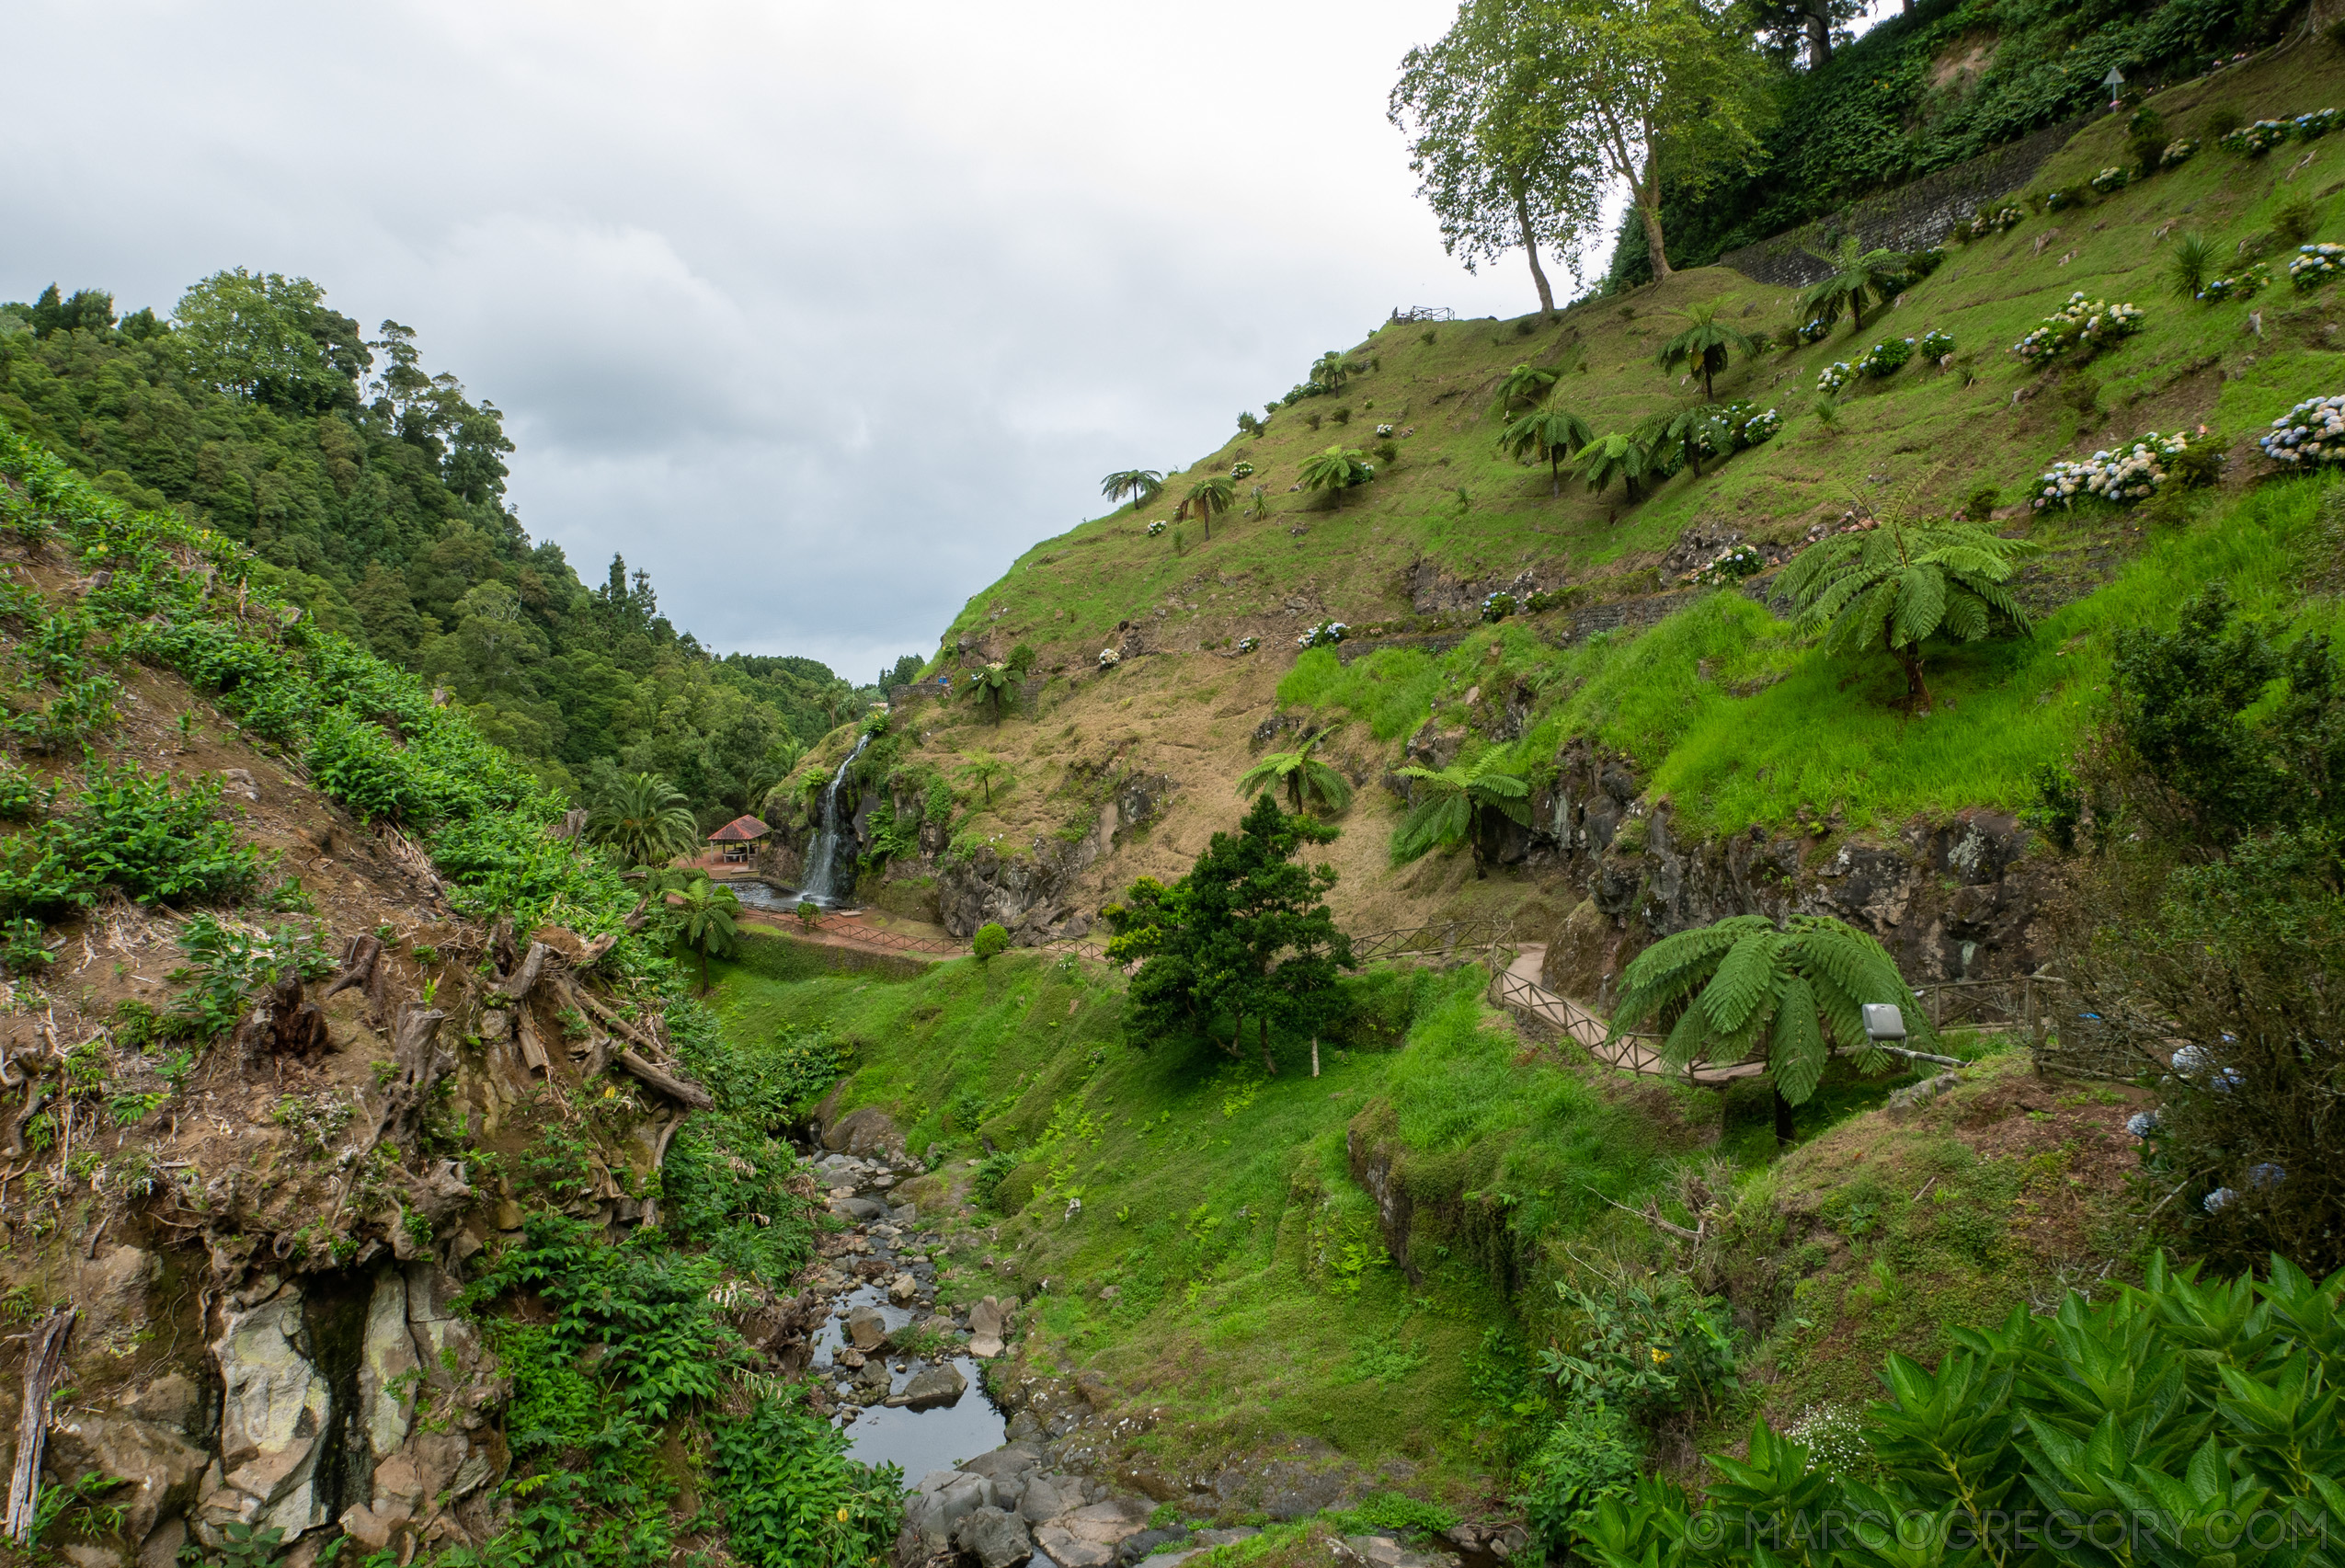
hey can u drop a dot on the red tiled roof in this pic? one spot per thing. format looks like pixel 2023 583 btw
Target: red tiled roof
pixel 739 830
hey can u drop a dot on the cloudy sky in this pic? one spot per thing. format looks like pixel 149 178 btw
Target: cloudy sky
pixel 820 312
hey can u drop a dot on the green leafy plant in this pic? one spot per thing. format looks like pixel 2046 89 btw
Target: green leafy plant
pixel 643 821
pixel 1336 470
pixel 1208 495
pixel 1616 455
pixel 794 1499
pixel 1142 485
pixel 1745 986
pixel 2189 264
pixel 992 687
pixel 1457 803
pixel 1706 346
pixel 1548 433
pixel 1893 587
pixel 1857 276
pixel 992 940
pixel 1305 778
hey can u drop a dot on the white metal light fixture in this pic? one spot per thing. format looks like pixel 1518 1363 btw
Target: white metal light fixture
pixel 1883 1022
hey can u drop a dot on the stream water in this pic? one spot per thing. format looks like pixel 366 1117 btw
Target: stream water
pixel 920 1440
pixel 822 878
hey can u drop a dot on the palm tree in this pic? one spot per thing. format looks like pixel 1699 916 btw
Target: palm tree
pixel 709 910
pixel 1893 587
pixel 991 686
pixel 981 769
pixel 1744 986
pixel 1305 777
pixel 1524 384
pixel 1209 496
pixel 1459 800
pixel 1855 275
pixel 643 820
pixel 1336 470
pixel 1708 344
pixel 1617 455
pixel 1550 432
pixel 1331 369
pixel 1143 485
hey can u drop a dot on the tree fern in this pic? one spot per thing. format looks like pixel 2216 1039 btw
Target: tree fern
pixel 1800 988
pixel 1304 777
pixel 1458 802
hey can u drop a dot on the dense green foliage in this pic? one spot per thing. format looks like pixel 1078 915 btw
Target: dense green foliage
pixel 792 1499
pixel 1885 109
pixel 1246 935
pixel 373 494
pixel 2175 1422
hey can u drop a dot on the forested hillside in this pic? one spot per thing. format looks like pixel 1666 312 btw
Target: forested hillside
pixel 373 493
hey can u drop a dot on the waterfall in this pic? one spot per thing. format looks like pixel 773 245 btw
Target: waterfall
pixel 820 882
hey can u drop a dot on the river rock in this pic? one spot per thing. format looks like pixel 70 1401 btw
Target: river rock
pixel 1010 1458
pixel 902 1288
pixel 985 1347
pixel 997 1540
pixel 864 1208
pixel 935 1386
pixel 865 1328
pixel 864 1132
pixel 931 1516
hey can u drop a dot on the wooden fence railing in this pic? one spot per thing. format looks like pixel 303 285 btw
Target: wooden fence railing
pixel 1444 937
pixel 1630 1053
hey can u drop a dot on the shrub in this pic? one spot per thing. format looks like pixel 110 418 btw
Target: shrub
pixel 132 830
pixel 2310 435
pixel 2314 265
pixel 1327 634
pixel 2179 150
pixel 1936 345
pixel 2112 179
pixel 1109 658
pixel 2121 477
pixel 2080 327
pixel 1815 331
pixel 1497 606
pixel 21 797
pixel 2220 121
pixel 1730 565
pixel 985 1183
pixel 2145 138
pixel 1979 505
pixel 1387 452
pixel 2255 141
pixel 2061 198
pixel 2318 123
pixel 1590 1454
pixel 1833 378
pixel 1248 644
pixel 1156 527
pixel 1248 424
pixel 2296 222
pixel 2250 281
pixel 809 913
pixel 1312 418
pixel 1989 223
pixel 1884 359
pixel 1759 427
pixel 1241 469
pixel 992 940
pixel 1341 415
pixel 792 1498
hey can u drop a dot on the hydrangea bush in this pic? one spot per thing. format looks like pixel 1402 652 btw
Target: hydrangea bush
pixel 2081 324
pixel 2308 435
pixel 1729 565
pixel 1384 429
pixel 2112 179
pixel 1834 377
pixel 1759 427
pixel 1815 331
pixel 2318 123
pixel 1498 606
pixel 1886 358
pixel 2314 265
pixel 1248 644
pixel 1936 345
pixel 2123 477
pixel 2247 284
pixel 1327 634
pixel 1241 469
pixel 1109 658
pixel 1986 224
pixel 2255 141
pixel 2179 150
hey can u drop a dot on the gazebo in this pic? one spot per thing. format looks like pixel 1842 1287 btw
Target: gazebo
pixel 734 840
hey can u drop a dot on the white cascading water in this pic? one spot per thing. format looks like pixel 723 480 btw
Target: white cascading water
pixel 820 882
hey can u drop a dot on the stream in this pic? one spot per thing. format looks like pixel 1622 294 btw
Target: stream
pixel 920 1440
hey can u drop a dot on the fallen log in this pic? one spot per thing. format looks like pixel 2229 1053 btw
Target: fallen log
pixel 42 1360
pixel 668 1083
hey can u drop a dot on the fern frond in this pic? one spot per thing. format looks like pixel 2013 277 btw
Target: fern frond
pixel 1745 979
pixel 1920 603
pixel 1795 1052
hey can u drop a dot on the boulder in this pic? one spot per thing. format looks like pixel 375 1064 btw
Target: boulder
pixel 158 1461
pixel 985 1347
pixel 273 1410
pixel 1070 1551
pixel 864 1208
pixel 1138 1547
pixel 984 1318
pixel 387 1365
pixel 1010 1458
pixel 933 1514
pixel 373 1528
pixel 1107 1523
pixel 997 1540
pixel 902 1288
pixel 935 1386
pixel 865 1328
pixel 864 1132
pixel 111 1292
pixel 1046 1499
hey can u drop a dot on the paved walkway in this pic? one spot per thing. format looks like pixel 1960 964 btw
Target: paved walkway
pixel 1520 989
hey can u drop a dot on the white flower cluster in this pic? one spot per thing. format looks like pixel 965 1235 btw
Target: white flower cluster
pixel 1835 377
pixel 2308 435
pixel 2112 179
pixel 1248 644
pixel 2080 322
pixel 2254 280
pixel 1887 356
pixel 2124 477
pixel 1156 527
pixel 1326 634
pixel 1937 345
pixel 1730 565
pixel 2181 150
pixel 1109 658
pixel 1241 469
pixel 2001 221
pixel 2314 265
pixel 1759 427
pixel 2255 141
pixel 1384 429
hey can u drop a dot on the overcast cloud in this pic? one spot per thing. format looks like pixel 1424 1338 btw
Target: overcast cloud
pixel 820 314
